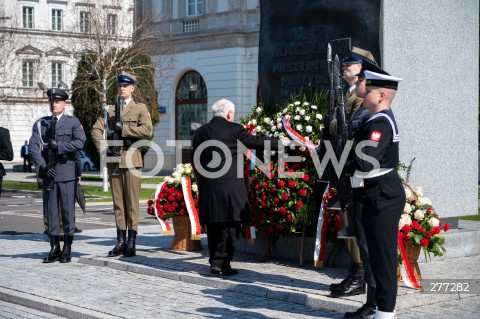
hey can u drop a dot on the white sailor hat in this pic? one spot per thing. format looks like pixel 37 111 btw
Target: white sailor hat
pixel 381 80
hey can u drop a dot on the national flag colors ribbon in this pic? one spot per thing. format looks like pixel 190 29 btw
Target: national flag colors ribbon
pixel 319 254
pixel 166 229
pixel 405 268
pixel 192 210
pixel 295 135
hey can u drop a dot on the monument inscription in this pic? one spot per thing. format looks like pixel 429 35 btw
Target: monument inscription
pixel 294 37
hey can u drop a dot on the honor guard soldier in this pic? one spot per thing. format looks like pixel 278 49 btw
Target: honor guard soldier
pixel 355 113
pixel 54 143
pixel 128 122
pixel 378 186
pixel 6 152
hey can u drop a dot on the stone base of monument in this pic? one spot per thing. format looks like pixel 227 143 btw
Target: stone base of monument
pixel 461 242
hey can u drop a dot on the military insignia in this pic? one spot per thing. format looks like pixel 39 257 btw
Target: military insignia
pixel 375 136
pixel 149 114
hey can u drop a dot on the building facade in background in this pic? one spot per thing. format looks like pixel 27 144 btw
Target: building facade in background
pixel 42 40
pixel 216 56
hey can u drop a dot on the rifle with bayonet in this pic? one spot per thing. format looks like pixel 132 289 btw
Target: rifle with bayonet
pixel 114 135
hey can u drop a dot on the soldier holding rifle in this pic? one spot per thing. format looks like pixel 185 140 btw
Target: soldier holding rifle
pixel 126 122
pixel 54 143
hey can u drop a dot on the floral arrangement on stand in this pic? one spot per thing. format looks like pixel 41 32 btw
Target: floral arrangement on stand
pixel 420 225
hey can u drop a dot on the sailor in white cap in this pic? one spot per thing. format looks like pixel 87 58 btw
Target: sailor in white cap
pixel 379 187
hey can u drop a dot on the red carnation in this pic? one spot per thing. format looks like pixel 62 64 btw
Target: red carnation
pixel 271 210
pixel 289 217
pixel 183 204
pixel 285 196
pixel 424 242
pixel 306 178
pixel 263 204
pixel 150 210
pixel 428 235
pixel 299 205
pixel 292 184
pixel 150 202
pixel 285 164
pixel 406 229
pixel 436 230
pixel 175 204
pixel 182 212
pixel 281 183
pixel 171 198
pixel 257 187
pixel 270 217
pixel 415 225
pixel 279 227
pixel 276 200
pixel 282 210
pixel 179 195
pixel 290 172
pixel 250 196
pixel 171 190
pixel 264 185
pixel 446 227
pixel 271 175
pixel 264 197
pixel 303 192
pixel 160 213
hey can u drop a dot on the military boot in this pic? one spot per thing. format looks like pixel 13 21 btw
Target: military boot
pixel 353 285
pixel 367 311
pixel 55 251
pixel 130 252
pixel 351 272
pixel 67 249
pixel 121 245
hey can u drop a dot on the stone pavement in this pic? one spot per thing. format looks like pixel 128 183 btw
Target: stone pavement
pixel 161 283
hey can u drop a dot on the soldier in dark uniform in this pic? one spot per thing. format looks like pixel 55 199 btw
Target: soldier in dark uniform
pixel 125 179
pixel 355 114
pixel 54 154
pixel 6 152
pixel 378 186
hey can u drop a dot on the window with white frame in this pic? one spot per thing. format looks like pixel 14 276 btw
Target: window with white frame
pixel 194 8
pixel 57 73
pixel 27 13
pixel 27 73
pixel 57 22
pixel 112 24
pixel 84 21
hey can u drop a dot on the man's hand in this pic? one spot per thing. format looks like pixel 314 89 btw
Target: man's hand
pixel 42 170
pixel 118 128
pixel 52 144
pixel 51 173
pixel 285 141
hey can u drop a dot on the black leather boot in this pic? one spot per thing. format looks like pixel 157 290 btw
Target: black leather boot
pixel 67 249
pixel 121 245
pixel 367 311
pixel 353 285
pixel 354 270
pixel 55 251
pixel 130 252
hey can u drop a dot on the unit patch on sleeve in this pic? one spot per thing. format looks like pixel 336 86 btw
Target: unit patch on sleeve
pixel 375 136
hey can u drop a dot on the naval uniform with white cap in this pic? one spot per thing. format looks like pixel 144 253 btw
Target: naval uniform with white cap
pixel 59 177
pixel 379 187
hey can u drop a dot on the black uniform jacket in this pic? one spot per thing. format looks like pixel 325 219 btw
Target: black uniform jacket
pixel 6 150
pixel 224 198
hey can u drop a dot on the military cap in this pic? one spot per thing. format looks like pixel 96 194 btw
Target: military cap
pixel 357 55
pixel 126 78
pixel 383 80
pixel 369 66
pixel 57 94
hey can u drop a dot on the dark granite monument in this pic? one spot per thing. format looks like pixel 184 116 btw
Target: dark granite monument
pixel 294 37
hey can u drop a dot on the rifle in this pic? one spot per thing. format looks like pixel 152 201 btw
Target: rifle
pixel 342 127
pixel 52 154
pixel 331 95
pixel 113 135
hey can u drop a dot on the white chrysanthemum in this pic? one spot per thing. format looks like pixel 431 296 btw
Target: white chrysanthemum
pixel 178 180
pixel 298 127
pixel 302 148
pixel 279 120
pixel 419 191
pixel 270 135
pixel 267 120
pixel 254 122
pixel 318 116
pixel 258 129
pixel 259 110
pixel 273 128
pixel 307 118
pixel 296 117
pixel 419 214
pixel 408 193
pixel 279 126
pixel 424 201
pixel 195 188
pixel 407 208
pixel 404 220
pixel 314 107
pixel 188 170
pixel 297 103
pixel 302 112
pixel 308 129
pixel 290 105
pixel 176 174
pixel 170 180
pixel 306 104
pixel 434 222
pixel 275 134
pixel 285 111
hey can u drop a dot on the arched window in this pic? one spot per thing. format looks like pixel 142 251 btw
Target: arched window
pixel 190 105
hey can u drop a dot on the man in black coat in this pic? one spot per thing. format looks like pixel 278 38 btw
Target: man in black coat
pixel 223 202
pixel 26 158
pixel 6 152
